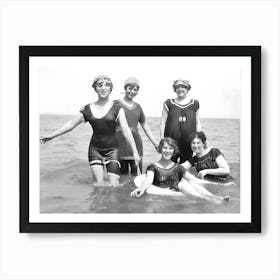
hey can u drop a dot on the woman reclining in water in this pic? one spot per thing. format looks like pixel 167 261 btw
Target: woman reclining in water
pixel 166 177
pixel 209 163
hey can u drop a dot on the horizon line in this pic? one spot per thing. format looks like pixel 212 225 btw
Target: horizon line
pixel 230 118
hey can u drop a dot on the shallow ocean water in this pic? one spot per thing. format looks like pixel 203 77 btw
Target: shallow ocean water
pixel 66 184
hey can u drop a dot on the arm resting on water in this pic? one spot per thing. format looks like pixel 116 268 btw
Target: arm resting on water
pixel 223 168
pixel 189 177
pixel 145 185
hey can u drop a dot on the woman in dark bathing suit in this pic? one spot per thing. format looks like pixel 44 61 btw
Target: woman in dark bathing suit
pixel 102 115
pixel 134 115
pixel 166 177
pixel 180 119
pixel 210 163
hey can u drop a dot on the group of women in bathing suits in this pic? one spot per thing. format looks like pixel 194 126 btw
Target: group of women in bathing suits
pixel 116 145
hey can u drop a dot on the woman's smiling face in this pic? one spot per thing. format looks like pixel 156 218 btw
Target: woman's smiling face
pixel 167 151
pixel 181 91
pixel 131 91
pixel 197 145
pixel 103 88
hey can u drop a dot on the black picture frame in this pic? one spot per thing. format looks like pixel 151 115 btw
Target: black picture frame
pixel 254 52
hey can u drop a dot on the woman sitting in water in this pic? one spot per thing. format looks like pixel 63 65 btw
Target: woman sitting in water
pixel 210 163
pixel 102 115
pixel 166 177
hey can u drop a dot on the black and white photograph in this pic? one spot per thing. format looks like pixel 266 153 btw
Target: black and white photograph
pixel 143 135
pixel 138 132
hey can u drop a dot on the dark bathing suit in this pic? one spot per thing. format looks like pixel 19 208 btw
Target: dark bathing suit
pixel 134 115
pixel 181 125
pixel 208 161
pixel 103 147
pixel 167 178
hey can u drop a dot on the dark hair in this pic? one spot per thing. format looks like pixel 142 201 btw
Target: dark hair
pixel 171 142
pixel 200 135
pixel 132 84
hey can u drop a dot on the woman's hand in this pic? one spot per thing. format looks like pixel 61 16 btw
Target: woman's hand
pixel 44 139
pixel 202 173
pixel 156 147
pixel 137 193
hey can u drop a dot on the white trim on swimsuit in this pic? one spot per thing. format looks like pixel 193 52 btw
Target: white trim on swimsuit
pixel 182 106
pixel 104 162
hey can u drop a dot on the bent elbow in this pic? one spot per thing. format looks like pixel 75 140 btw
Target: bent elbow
pixel 227 171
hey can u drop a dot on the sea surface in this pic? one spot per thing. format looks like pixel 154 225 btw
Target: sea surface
pixel 66 184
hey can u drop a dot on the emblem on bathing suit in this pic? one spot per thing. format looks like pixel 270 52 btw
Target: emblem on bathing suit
pixel 182 119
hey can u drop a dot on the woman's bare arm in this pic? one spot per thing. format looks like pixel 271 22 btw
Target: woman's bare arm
pixel 145 185
pixel 187 165
pixel 64 129
pixel 223 168
pixel 163 119
pixel 198 123
pixel 149 134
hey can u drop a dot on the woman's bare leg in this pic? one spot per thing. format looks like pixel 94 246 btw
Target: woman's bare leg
pixel 191 187
pixel 98 174
pixel 186 188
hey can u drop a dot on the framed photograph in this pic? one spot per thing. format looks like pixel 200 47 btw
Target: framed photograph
pixel 93 118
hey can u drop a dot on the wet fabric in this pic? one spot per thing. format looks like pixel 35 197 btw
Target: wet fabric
pixel 104 129
pixel 208 161
pixel 181 125
pixel 167 178
pixel 134 115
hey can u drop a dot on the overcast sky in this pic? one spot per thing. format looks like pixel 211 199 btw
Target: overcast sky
pixel 65 82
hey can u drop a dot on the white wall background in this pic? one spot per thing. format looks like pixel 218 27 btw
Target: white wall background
pixel 139 256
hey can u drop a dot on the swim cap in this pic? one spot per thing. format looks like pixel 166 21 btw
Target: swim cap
pixel 131 80
pixel 181 82
pixel 102 78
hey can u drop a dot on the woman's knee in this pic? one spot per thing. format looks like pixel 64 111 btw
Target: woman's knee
pixel 97 172
pixel 114 180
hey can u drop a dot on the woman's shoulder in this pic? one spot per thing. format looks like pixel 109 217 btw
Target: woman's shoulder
pixel 215 152
pixel 151 167
pixel 137 105
pixel 196 104
pixel 85 108
pixel 209 152
pixel 168 101
pixel 117 104
pixel 86 112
